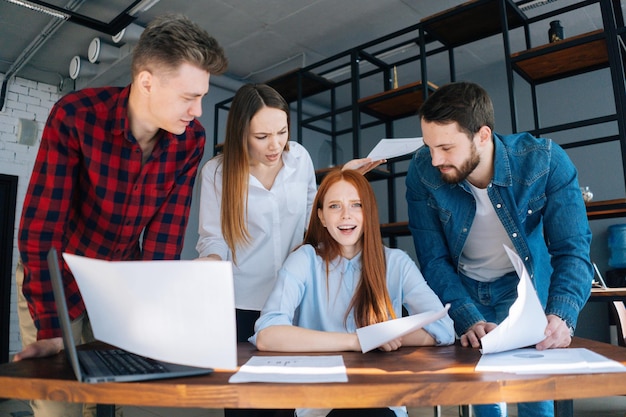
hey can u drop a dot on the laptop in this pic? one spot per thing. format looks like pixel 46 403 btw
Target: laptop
pixel 95 364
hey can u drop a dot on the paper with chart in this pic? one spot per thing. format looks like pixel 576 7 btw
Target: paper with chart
pixel 392 148
pixel 292 369
pixel 174 311
pixel 550 361
pixel 375 335
pixel 526 323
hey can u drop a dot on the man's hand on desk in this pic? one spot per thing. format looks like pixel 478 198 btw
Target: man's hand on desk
pixel 557 334
pixel 473 335
pixel 41 348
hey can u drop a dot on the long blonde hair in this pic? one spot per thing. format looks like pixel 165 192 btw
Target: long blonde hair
pixel 248 100
pixel 371 301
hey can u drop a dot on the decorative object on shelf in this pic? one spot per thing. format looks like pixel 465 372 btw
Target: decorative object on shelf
pixel 555 33
pixel 395 77
pixel 587 194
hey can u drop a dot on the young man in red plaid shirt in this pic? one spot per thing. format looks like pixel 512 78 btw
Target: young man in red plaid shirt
pixel 114 176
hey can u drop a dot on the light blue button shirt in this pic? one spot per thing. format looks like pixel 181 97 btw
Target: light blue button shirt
pixel 302 297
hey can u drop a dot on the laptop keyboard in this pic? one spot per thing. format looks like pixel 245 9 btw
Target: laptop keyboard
pixel 125 363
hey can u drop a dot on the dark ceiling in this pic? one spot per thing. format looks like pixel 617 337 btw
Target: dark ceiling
pixel 262 39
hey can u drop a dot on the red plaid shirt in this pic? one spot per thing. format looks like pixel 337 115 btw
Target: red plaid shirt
pixel 90 195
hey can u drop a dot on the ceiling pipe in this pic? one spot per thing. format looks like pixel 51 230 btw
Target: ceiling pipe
pixel 80 67
pixel 100 51
pixel 32 48
pixel 130 34
pixel 112 27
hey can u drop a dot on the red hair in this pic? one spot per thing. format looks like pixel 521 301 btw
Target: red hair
pixel 371 301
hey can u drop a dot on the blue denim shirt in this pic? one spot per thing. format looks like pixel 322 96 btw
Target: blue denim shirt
pixel 536 196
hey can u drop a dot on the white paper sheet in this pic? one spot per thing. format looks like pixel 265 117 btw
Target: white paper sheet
pixel 292 369
pixel 526 323
pixel 175 311
pixel 551 361
pixel 391 148
pixel 375 335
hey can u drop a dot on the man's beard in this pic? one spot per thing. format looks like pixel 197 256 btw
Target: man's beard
pixel 460 174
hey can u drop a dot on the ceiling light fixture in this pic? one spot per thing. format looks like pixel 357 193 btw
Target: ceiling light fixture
pixel 532 4
pixel 112 28
pixel 142 6
pixel 41 8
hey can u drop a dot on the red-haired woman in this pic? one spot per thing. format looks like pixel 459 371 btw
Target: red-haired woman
pixel 343 278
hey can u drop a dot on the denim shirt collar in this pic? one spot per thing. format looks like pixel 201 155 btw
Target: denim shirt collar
pixel 502 165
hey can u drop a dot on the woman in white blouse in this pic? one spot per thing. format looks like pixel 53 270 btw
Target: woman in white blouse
pixel 343 278
pixel 256 197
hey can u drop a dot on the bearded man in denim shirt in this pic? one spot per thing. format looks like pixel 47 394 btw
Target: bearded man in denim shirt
pixel 469 191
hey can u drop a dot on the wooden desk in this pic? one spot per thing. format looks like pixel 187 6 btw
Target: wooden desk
pixel 415 377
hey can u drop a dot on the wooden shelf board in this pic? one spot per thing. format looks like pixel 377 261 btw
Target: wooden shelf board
pixel 595 210
pixel 287 84
pixel 395 229
pixel 470 21
pixel 396 103
pixel 564 60
pixel 606 209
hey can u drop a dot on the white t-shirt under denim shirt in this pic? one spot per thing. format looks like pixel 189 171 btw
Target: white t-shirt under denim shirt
pixel 301 297
pixel 483 257
pixel 276 220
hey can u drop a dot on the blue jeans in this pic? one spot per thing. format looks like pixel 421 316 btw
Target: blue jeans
pixel 540 408
pixel 493 300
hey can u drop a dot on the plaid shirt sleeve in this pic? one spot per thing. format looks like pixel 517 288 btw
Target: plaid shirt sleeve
pixel 44 214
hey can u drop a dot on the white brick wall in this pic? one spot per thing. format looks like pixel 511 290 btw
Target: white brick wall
pixel 27 100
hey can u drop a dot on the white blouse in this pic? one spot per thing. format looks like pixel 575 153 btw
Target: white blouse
pixel 276 221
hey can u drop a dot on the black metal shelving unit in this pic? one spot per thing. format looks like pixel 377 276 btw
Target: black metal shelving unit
pixel 376 100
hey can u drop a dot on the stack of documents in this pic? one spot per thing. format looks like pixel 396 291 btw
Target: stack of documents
pixel 505 349
pixel 294 369
pixel 551 361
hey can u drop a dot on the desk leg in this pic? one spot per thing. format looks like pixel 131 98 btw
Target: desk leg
pixel 105 410
pixel 564 408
